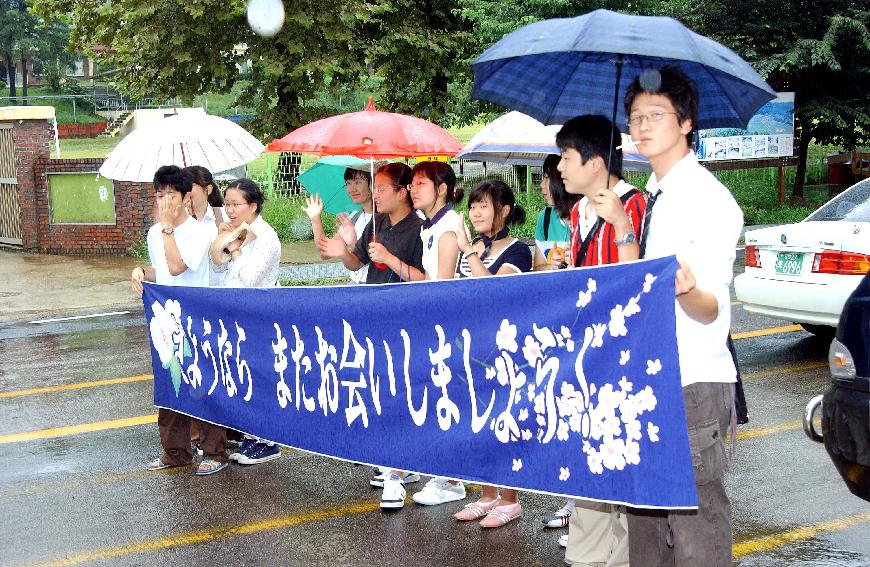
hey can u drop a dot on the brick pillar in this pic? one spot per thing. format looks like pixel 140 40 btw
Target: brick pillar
pixel 31 139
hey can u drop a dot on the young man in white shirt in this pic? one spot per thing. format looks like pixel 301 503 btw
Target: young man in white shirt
pixel 690 214
pixel 178 250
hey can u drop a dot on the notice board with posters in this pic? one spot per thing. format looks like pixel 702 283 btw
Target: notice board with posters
pixel 769 134
pixel 80 198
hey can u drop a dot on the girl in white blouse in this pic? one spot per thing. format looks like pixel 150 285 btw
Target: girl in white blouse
pixel 254 262
pixel 207 205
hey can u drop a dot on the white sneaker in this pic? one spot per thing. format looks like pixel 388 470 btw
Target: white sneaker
pixel 393 496
pixel 563 540
pixel 378 479
pixel 439 491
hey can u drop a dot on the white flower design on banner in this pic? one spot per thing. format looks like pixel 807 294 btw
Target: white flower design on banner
pixel 601 420
pixel 169 340
pixel 506 338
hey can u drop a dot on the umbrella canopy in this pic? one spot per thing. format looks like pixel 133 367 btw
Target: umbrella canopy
pixel 369 133
pixel 513 139
pixel 183 140
pixel 517 139
pixel 556 69
pixel 326 178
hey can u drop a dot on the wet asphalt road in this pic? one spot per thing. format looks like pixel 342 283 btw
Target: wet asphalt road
pixel 85 498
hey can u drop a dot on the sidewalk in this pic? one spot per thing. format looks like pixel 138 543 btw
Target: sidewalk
pixel 46 284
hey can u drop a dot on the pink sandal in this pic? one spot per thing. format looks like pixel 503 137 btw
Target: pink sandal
pixel 474 510
pixel 501 515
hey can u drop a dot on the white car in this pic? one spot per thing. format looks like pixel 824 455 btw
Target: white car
pixel 804 272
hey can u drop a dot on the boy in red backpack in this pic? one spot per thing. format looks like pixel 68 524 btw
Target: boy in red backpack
pixel 605 229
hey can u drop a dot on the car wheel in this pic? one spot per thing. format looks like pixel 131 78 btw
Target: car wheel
pixel 822 331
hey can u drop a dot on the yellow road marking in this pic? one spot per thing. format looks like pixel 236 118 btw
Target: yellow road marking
pixel 763 431
pixel 76 386
pixel 736 303
pixel 211 534
pixel 94 482
pixel 795 368
pixel 77 429
pixel 766 332
pixel 773 541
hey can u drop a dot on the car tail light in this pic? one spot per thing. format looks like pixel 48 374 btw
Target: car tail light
pixel 752 256
pixel 841 362
pixel 842 263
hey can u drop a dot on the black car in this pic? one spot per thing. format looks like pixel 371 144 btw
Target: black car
pixel 846 404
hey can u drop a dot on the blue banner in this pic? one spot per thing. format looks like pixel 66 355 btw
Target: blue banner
pixel 563 382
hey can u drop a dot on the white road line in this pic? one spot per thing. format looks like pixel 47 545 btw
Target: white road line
pixel 79 317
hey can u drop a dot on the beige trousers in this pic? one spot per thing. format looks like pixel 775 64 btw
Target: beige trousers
pixel 597 535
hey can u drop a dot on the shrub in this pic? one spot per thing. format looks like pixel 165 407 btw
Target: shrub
pixel 139 248
pixel 285 215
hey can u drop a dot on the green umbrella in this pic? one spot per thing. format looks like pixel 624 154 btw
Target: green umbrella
pixel 326 178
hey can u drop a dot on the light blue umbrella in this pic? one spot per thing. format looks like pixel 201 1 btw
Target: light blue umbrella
pixel 326 178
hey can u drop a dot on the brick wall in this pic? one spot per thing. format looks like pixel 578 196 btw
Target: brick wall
pixel 81 130
pixel 133 206
pixel 31 139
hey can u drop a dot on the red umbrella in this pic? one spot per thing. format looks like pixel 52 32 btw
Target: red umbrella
pixel 369 134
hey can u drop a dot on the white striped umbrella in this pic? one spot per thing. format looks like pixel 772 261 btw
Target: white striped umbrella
pixel 186 139
pixel 518 139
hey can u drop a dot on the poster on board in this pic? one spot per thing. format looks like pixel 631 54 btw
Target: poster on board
pixel 770 133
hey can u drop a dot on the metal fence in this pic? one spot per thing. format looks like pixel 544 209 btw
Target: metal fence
pixel 109 103
pixel 281 170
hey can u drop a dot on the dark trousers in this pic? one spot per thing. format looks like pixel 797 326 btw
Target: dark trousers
pixel 699 537
pixel 175 437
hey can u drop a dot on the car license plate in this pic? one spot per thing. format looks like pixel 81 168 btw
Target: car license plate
pixel 789 263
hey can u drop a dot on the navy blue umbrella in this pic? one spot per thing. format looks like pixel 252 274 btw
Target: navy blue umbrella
pixel 557 69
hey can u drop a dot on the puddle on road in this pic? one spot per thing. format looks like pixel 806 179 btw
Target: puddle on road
pixel 810 553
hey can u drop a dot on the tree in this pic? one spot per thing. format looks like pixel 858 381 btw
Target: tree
pixel 818 49
pixel 50 56
pixel 16 27
pixel 327 50
pixel 25 41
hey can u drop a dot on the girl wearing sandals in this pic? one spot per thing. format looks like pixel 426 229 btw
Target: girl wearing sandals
pixel 491 209
pixel 552 251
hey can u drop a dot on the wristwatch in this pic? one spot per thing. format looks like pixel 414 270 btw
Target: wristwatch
pixel 629 238
pixel 167 230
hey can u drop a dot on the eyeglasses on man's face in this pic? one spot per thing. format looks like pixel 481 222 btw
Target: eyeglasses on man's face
pixel 636 120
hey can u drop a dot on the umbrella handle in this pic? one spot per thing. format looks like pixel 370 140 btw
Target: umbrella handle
pixel 378 265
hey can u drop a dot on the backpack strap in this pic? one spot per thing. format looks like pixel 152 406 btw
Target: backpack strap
pixel 628 195
pixel 547 212
pixel 584 246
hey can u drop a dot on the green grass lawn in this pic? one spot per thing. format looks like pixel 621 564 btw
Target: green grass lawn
pixel 85 147
pixel 63 107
